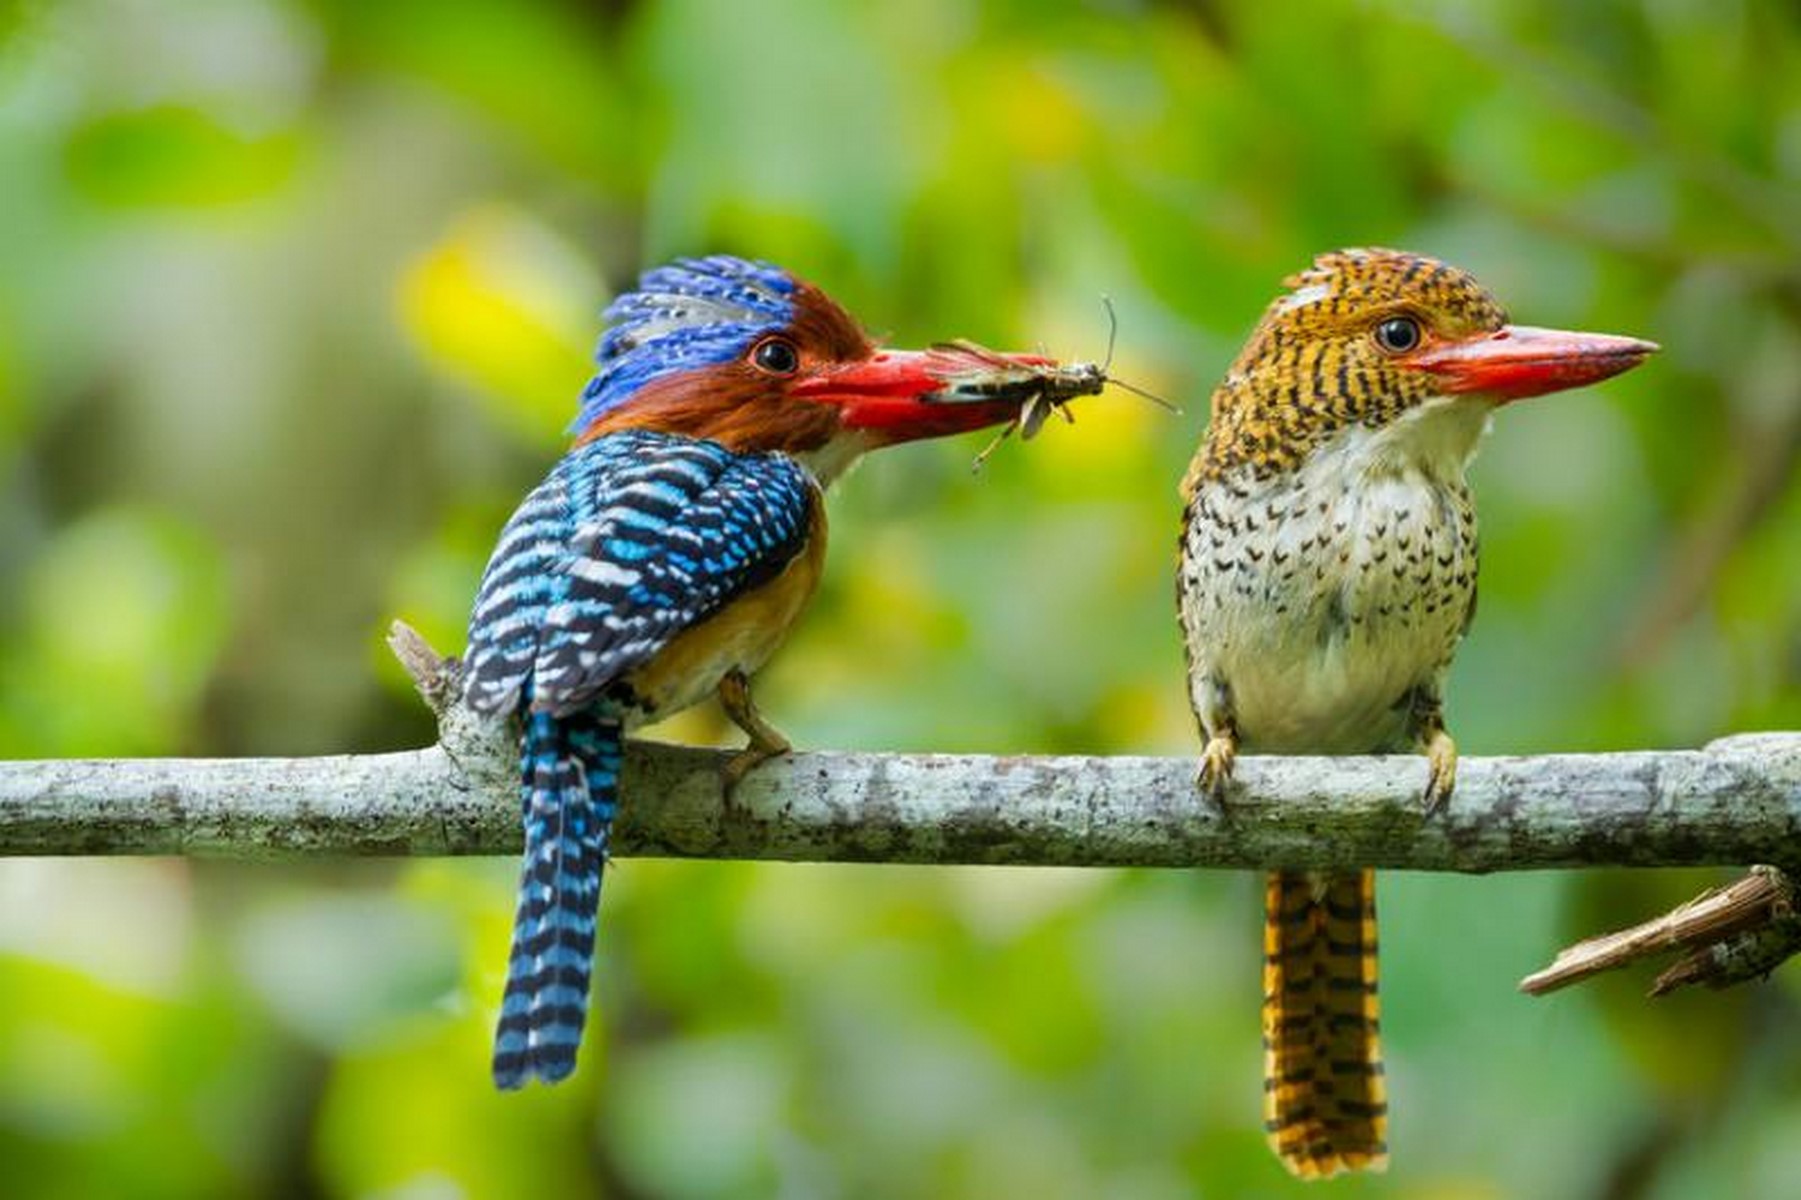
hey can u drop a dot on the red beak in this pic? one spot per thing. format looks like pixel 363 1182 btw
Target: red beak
pixel 902 395
pixel 1518 361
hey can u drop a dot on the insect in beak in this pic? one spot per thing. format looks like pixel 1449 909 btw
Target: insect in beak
pixel 1042 388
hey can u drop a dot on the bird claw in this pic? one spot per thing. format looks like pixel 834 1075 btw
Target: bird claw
pixel 1216 769
pixel 1441 774
pixel 766 742
pixel 748 759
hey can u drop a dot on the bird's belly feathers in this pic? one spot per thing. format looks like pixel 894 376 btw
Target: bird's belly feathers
pixel 1320 609
pixel 741 636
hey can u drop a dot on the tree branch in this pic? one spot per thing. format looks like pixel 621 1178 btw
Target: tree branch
pixel 1737 802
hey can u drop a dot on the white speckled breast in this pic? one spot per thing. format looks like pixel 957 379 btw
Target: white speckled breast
pixel 1313 602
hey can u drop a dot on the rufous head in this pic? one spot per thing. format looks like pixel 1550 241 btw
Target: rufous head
pixel 748 355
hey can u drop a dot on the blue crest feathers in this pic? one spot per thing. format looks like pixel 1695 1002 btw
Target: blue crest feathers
pixel 694 312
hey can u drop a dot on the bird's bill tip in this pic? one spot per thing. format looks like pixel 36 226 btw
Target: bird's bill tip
pixel 1518 361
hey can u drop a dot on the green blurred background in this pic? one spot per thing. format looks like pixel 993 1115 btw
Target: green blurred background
pixel 295 300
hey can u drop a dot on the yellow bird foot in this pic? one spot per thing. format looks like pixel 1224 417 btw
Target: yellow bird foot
pixel 766 742
pixel 746 760
pixel 1441 774
pixel 1216 768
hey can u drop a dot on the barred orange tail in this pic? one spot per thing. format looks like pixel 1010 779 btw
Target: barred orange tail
pixel 1325 1105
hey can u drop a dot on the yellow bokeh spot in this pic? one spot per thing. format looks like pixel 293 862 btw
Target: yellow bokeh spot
pixel 1036 113
pixel 1141 717
pixel 1112 433
pixel 501 304
pixel 890 598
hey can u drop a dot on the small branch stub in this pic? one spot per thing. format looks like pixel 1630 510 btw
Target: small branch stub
pixel 1733 934
pixel 437 677
pixel 484 751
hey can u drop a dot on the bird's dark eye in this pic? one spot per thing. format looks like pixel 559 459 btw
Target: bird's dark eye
pixel 777 356
pixel 1398 335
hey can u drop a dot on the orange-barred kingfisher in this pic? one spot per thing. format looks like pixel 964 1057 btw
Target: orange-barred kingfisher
pixel 664 559
pixel 1328 573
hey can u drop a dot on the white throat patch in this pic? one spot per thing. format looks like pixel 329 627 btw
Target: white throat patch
pixel 1436 438
pixel 835 457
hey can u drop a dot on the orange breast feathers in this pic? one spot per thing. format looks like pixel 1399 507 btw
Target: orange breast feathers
pixel 740 636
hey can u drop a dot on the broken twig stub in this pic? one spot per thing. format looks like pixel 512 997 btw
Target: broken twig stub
pixel 1732 932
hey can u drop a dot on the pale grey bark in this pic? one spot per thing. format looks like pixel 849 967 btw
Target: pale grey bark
pixel 1736 802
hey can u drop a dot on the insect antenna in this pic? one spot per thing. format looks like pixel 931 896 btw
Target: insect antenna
pixel 1112 331
pixel 1153 397
pixel 1107 365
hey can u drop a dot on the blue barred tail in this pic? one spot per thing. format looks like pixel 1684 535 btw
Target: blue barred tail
pixel 570 784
